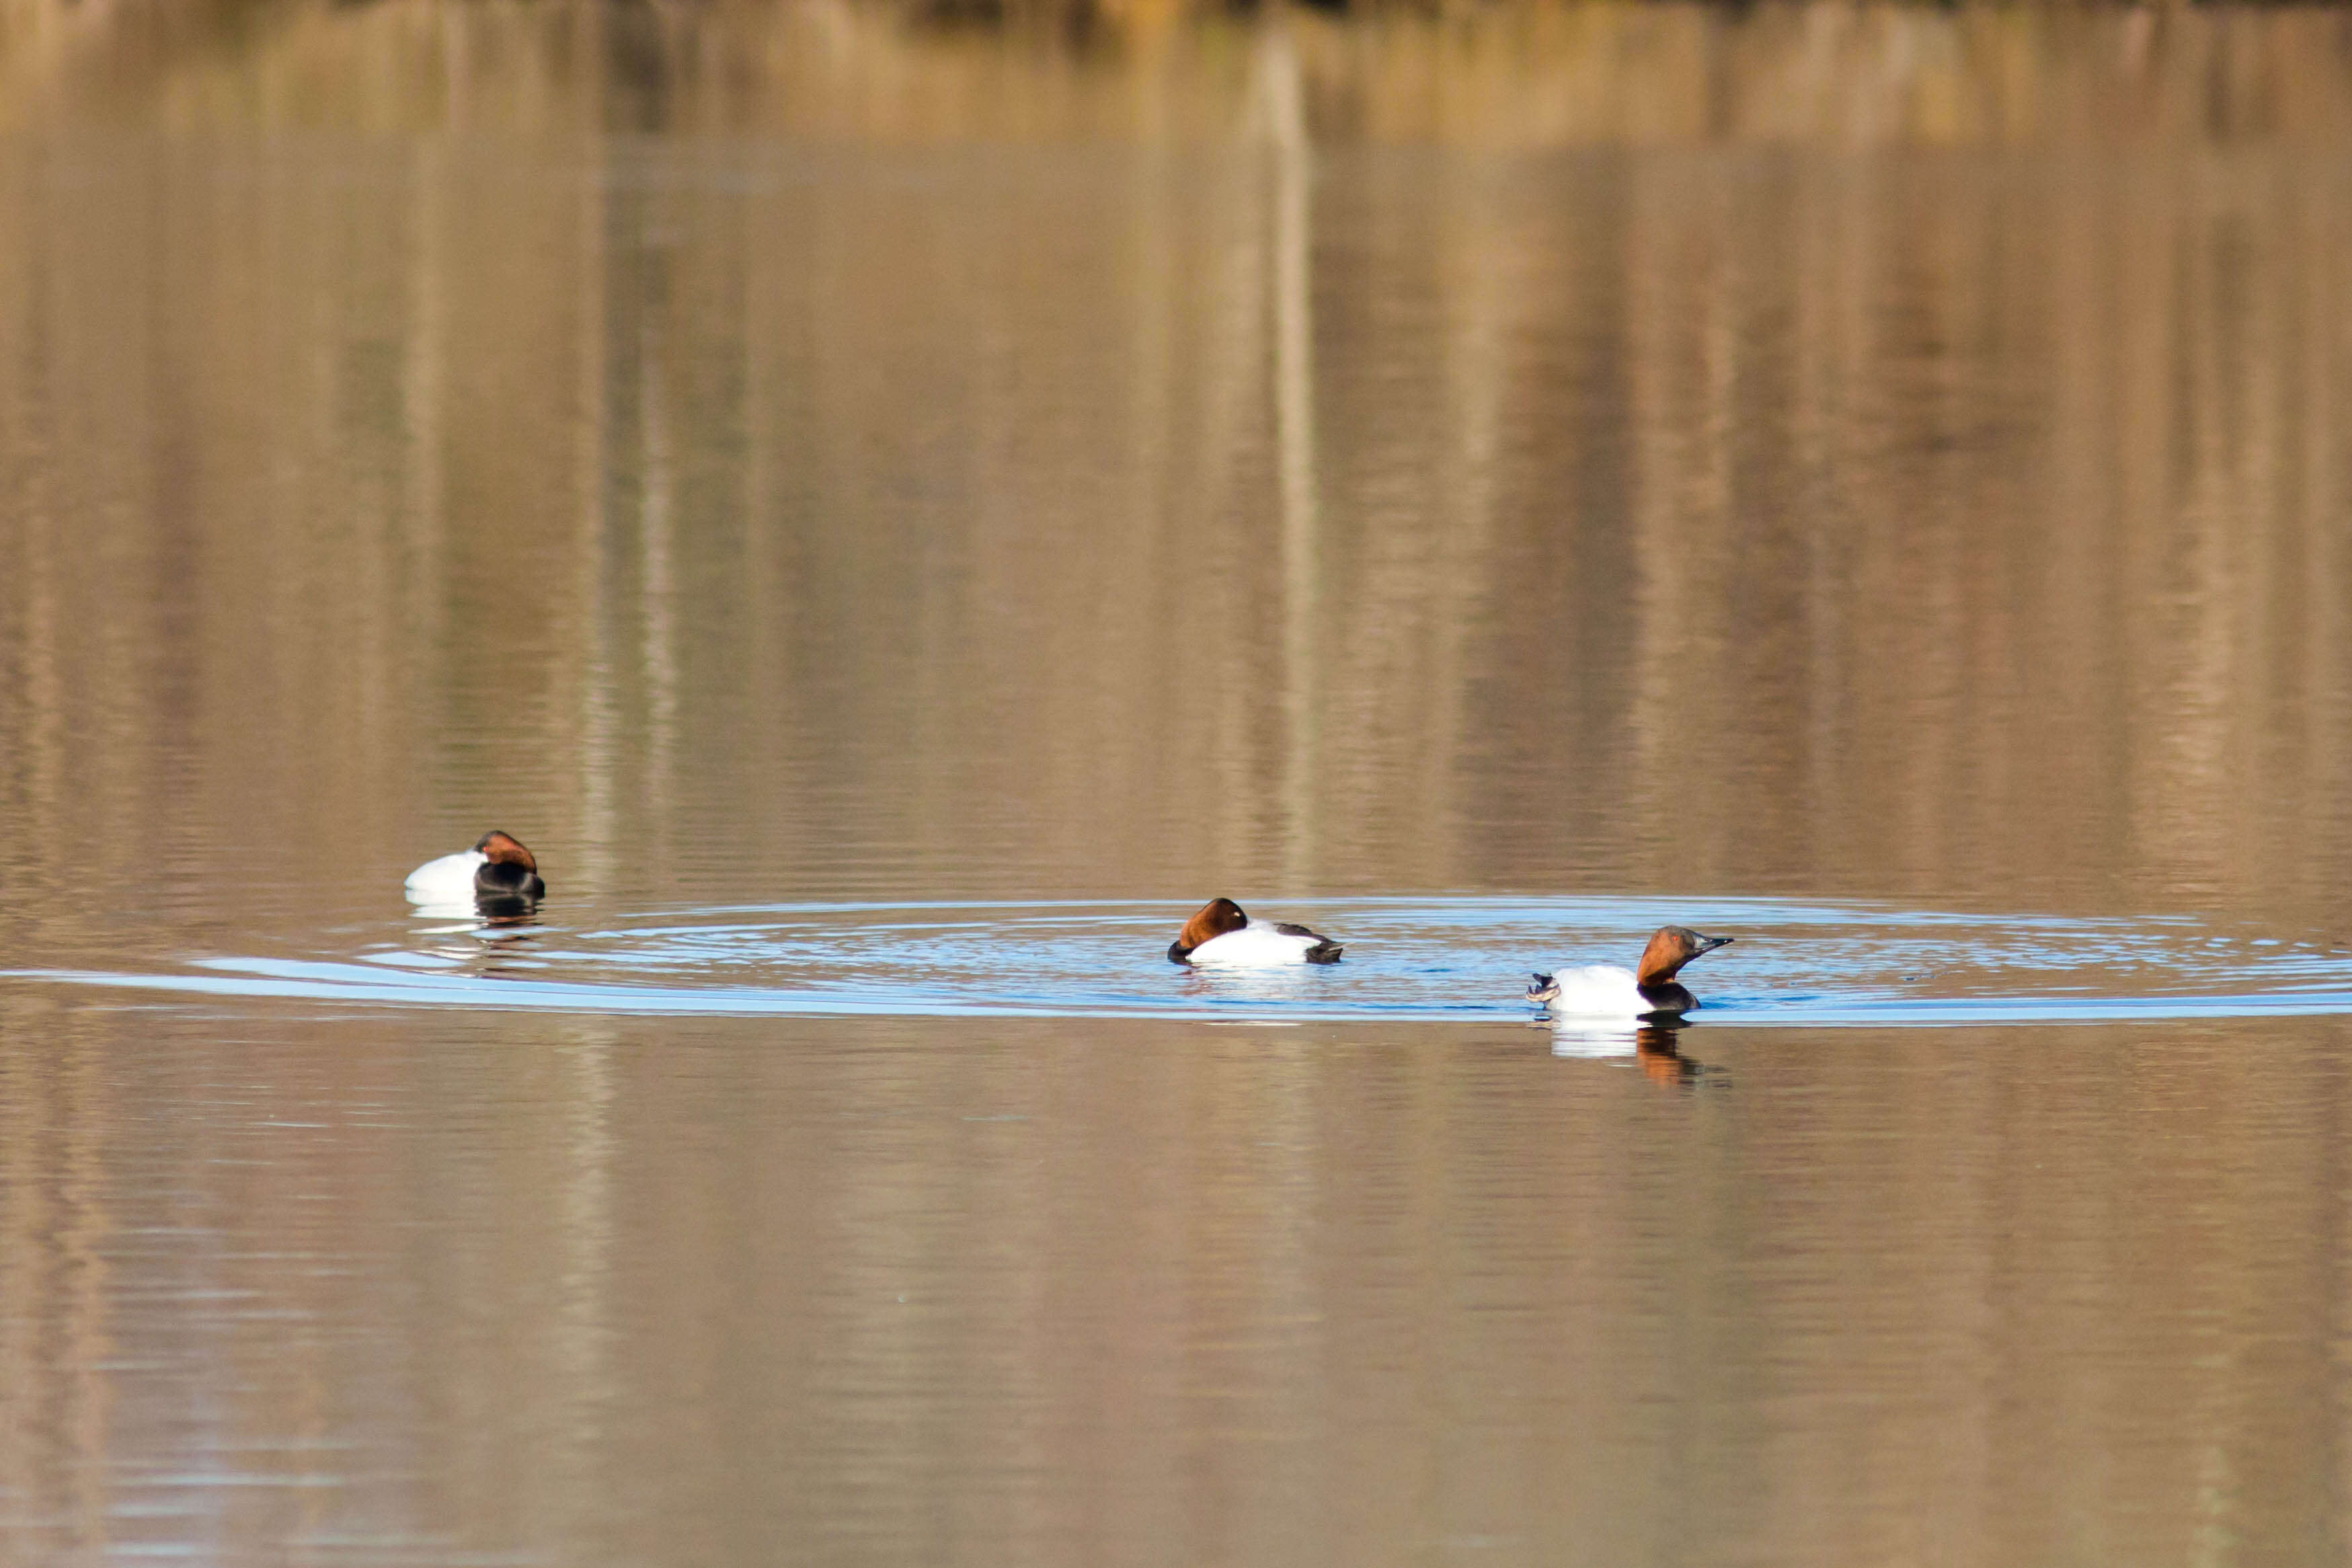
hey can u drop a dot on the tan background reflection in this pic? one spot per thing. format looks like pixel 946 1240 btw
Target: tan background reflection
pixel 1311 458
pixel 767 453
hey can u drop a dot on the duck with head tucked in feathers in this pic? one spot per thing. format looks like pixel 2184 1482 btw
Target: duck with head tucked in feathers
pixel 497 869
pixel 1220 935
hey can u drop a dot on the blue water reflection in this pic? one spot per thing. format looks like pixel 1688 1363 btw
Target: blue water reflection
pixel 1436 960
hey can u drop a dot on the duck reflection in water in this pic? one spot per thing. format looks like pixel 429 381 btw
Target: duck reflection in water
pixel 1651 1044
pixel 1654 1047
pixel 501 937
pixel 479 949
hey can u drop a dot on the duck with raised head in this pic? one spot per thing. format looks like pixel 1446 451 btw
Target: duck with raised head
pixel 1603 990
pixel 1222 935
pixel 498 868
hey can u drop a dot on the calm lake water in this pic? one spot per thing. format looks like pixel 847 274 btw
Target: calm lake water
pixel 897 518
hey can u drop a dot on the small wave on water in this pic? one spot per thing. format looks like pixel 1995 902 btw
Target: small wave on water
pixel 1408 960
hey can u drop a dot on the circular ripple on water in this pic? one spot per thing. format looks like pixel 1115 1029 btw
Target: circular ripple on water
pixel 1441 959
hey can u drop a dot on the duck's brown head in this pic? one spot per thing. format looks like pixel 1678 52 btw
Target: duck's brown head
pixel 1673 947
pixel 505 849
pixel 1217 917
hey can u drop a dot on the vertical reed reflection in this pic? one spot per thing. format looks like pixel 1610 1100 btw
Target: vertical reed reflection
pixel 1294 399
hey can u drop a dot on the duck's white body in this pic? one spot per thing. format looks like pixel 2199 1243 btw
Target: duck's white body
pixel 1254 947
pixel 448 880
pixel 1599 991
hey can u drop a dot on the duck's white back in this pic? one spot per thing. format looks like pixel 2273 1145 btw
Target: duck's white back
pixel 1252 947
pixel 448 880
pixel 1598 991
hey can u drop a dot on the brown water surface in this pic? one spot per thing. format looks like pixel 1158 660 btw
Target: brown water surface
pixel 897 517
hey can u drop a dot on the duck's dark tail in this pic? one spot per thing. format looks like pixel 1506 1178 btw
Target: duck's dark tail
pixel 1325 950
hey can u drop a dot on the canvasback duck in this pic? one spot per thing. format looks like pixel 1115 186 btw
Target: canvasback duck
pixel 498 869
pixel 1601 991
pixel 1222 934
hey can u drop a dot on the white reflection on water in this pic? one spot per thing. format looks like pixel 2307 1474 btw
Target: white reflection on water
pixel 1428 960
pixel 1587 1038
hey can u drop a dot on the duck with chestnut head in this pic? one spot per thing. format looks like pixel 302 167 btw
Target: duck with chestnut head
pixel 1651 991
pixel 1221 936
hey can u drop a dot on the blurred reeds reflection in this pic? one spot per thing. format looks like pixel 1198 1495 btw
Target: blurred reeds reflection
pixel 1518 76
pixel 799 449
